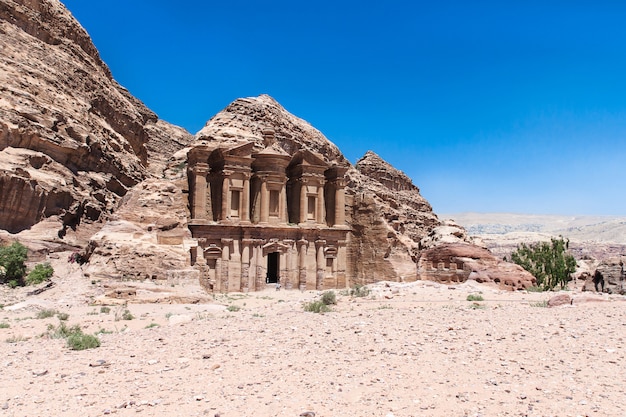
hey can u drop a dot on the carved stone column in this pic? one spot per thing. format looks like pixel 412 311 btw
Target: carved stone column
pixel 260 267
pixel 342 278
pixel 265 202
pixel 340 204
pixel 225 260
pixel 303 200
pixel 225 197
pixel 245 265
pixel 320 215
pixel 290 274
pixel 302 264
pixel 201 193
pixel 320 264
pixel 284 217
pixel 245 208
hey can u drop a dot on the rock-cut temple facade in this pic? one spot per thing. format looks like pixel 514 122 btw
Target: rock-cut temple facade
pixel 264 217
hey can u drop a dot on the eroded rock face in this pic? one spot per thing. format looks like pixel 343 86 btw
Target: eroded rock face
pixel 245 119
pixel 458 262
pixel 146 238
pixel 612 272
pixel 58 99
pixel 389 218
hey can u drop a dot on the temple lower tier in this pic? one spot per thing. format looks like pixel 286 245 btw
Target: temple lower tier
pixel 251 257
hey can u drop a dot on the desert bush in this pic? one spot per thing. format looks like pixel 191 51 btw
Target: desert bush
pixel 4 325
pixel 62 331
pixel 105 309
pixel 82 341
pixel 317 306
pixel 39 274
pixel 63 316
pixel 233 308
pixel 127 315
pixel 329 297
pixel 74 336
pixel 475 297
pixel 550 263
pixel 359 291
pixel 44 314
pixel 12 261
pixel 16 339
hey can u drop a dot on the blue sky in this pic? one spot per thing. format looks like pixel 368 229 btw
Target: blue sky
pixel 488 106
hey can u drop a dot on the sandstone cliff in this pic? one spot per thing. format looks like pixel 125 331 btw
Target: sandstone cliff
pixel 72 140
pixel 79 152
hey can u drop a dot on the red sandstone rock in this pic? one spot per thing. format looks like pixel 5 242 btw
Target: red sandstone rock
pixel 559 300
pixel 458 262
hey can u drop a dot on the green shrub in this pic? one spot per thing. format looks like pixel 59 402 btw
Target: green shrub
pixel 39 274
pixel 82 341
pixel 329 297
pixel 233 308
pixel 63 316
pixel 76 339
pixel 475 297
pixel 151 325
pixel 12 261
pixel 4 325
pixel 62 331
pixel 44 314
pixel 549 263
pixel 359 291
pixel 105 309
pixel 316 307
pixel 127 315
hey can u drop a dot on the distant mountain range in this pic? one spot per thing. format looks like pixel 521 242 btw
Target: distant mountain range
pixel 601 229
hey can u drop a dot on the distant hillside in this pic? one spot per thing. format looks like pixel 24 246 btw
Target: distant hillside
pixel 591 237
pixel 605 229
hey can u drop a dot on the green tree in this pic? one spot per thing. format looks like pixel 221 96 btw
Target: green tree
pixel 12 259
pixel 549 262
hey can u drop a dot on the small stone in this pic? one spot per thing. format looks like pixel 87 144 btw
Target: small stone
pixel 40 372
pixel 153 362
pixel 215 366
pixel 307 414
pixel 198 397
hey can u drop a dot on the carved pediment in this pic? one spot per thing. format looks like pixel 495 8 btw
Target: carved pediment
pixel 274 246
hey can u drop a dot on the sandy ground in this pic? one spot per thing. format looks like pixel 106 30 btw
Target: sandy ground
pixel 418 349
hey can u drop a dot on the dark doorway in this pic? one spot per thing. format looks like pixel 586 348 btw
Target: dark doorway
pixel 272 268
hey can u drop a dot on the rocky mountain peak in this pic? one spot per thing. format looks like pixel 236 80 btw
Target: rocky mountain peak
pixel 375 167
pixel 245 119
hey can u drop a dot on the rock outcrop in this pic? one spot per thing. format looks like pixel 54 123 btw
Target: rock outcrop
pixel 245 119
pixel 72 140
pixel 146 238
pixel 389 218
pixel 458 262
